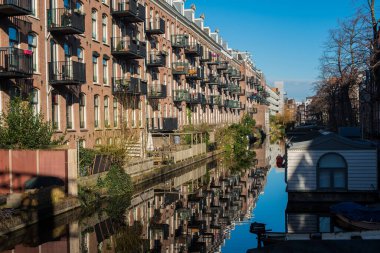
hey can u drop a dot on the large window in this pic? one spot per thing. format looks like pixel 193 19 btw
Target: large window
pixel 69 111
pixel 95 68
pixel 13 35
pixel 82 110
pixel 104 28
pixel 115 113
pixel 332 172
pixel 106 111
pixel 96 111
pixel 105 71
pixel 32 46
pixel 80 55
pixel 55 110
pixel 94 15
pixel 34 100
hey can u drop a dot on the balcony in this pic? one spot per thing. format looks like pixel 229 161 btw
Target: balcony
pixel 234 73
pixel 15 7
pixel 222 65
pixel 128 48
pixel 206 56
pixel 128 10
pixel 169 124
pixel 65 21
pixel 15 63
pixel 180 68
pixel 233 104
pixel 234 89
pixel 214 59
pixel 215 100
pixel 129 86
pixel 222 85
pixel 179 40
pixel 156 91
pixel 181 95
pixel 197 98
pixel 195 73
pixel 155 26
pixel 252 110
pixel 67 72
pixel 194 49
pixel 156 59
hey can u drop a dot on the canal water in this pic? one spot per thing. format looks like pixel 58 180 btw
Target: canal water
pixel 202 208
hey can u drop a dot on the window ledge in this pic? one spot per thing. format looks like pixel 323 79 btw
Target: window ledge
pixel 98 84
pixel 98 129
pixel 58 131
pixel 95 40
pixel 84 130
pixel 71 130
pixel 106 44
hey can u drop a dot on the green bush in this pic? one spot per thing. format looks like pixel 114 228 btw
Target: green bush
pixel 22 128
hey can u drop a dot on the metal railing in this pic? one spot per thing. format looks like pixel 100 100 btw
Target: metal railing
pixel 157 91
pixel 67 72
pixel 131 85
pixel 126 46
pixel 16 7
pixel 65 20
pixel 124 6
pixel 180 68
pixel 155 26
pixel 156 59
pixel 181 95
pixel 180 40
pixel 15 62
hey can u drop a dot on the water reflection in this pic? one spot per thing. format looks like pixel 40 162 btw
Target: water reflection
pixel 193 210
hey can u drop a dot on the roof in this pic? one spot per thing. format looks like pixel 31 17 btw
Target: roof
pixel 332 141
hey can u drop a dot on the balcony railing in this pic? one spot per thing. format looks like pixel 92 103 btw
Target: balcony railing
pixel 206 56
pixel 129 86
pixel 180 68
pixel 233 104
pixel 197 98
pixel 128 10
pixel 15 63
pixel 215 100
pixel 16 7
pixel 222 65
pixel 128 48
pixel 180 40
pixel 156 59
pixel 214 59
pixel 155 26
pixel 195 73
pixel 222 85
pixel 234 89
pixel 194 49
pixel 65 21
pixel 181 95
pixel 157 91
pixel 67 72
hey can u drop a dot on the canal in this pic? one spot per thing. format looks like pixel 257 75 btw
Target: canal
pixel 203 208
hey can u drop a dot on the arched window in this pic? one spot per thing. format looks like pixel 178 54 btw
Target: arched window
pixel 55 110
pixel 115 113
pixel 94 15
pixel 96 111
pixel 106 111
pixel 69 111
pixel 104 28
pixel 32 46
pixel 82 110
pixel 98 141
pixel 332 172
pixel 80 54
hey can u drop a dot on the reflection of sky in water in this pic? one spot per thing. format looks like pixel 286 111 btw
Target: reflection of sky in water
pixel 270 209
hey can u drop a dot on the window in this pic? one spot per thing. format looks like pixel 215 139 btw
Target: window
pixel 98 141
pixel 82 110
pixel 69 111
pixel 95 68
pixel 54 110
pixel 105 71
pixel 96 111
pixel 115 113
pixel 141 114
pixel 80 54
pixel 94 24
pixel 32 46
pixel 106 111
pixel 34 9
pixel 13 37
pixel 34 99
pixel 332 172
pixel 79 7
pixel 104 28
pixel 82 143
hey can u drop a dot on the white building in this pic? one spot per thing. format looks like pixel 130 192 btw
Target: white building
pixel 274 101
pixel 280 86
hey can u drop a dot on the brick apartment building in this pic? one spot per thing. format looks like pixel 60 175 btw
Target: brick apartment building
pixel 89 65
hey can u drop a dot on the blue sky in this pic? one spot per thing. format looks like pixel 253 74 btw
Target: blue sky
pixel 285 37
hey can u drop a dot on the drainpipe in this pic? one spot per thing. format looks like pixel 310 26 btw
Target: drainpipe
pixel 46 36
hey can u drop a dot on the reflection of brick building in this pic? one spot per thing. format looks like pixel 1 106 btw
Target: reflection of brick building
pixel 152 64
pixel 290 110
